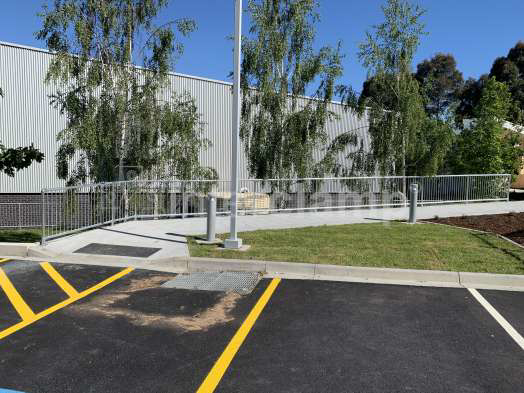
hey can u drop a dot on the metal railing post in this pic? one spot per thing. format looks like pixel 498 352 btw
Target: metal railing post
pixel 211 217
pixel 112 204
pixel 507 189
pixel 42 240
pixel 184 199
pixel 413 203
pixel 467 189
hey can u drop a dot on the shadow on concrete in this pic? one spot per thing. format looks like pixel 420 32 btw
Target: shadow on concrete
pixel 192 237
pixel 147 237
pixel 380 219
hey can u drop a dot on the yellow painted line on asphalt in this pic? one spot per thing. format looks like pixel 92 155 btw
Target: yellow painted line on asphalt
pixel 217 372
pixel 56 307
pixel 18 302
pixel 61 281
pixel 4 260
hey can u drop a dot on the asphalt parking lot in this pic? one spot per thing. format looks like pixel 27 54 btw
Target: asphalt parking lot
pixel 76 328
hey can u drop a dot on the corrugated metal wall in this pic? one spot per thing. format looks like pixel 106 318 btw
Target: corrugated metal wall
pixel 27 117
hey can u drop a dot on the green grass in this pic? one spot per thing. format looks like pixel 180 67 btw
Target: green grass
pixel 20 235
pixel 395 245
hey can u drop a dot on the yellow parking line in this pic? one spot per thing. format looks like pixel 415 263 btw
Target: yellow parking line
pixel 57 277
pixel 19 304
pixel 4 260
pixel 217 372
pixel 56 307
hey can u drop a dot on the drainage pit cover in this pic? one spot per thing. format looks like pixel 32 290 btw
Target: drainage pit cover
pixel 239 282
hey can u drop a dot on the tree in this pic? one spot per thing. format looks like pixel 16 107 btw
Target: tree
pixel 14 159
pixel 182 140
pixel 485 147
pixel 404 141
pixel 387 54
pixel 510 70
pixel 469 97
pixel 401 135
pixel 373 89
pixel 440 83
pixel 279 127
pixel 112 107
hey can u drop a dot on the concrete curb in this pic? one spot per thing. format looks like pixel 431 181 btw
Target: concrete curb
pixel 287 270
pixel 17 249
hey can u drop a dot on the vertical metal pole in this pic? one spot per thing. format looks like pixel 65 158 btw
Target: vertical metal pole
pixel 234 242
pixel 467 188
pixel 254 196
pixel 413 203
pixel 42 241
pixel 509 185
pixel 112 204
pixel 211 217
pixel 183 199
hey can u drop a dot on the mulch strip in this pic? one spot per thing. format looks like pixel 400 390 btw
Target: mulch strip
pixel 510 225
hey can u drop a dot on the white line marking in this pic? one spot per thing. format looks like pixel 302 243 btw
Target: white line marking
pixel 499 318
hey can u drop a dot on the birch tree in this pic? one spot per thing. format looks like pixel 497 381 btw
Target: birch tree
pixel 280 128
pixel 114 116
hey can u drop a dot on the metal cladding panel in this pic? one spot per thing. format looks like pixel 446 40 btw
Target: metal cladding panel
pixel 26 116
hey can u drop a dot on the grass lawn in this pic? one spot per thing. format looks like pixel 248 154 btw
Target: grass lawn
pixel 398 245
pixel 20 235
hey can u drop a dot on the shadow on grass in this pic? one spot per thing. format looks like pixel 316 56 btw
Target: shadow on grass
pixel 488 240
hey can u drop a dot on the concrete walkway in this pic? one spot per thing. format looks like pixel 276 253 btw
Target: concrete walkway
pixel 170 235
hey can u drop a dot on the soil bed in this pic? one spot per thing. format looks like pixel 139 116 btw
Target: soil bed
pixel 510 225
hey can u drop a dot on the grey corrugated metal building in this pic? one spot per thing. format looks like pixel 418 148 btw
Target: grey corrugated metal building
pixel 26 116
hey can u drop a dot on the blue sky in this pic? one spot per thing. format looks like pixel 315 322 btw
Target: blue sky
pixel 474 31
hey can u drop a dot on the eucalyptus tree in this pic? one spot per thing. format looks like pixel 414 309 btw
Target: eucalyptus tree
pixel 280 127
pixel 510 70
pixel 14 159
pixel 112 107
pixel 441 83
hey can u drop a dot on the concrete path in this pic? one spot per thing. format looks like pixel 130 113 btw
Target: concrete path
pixel 169 235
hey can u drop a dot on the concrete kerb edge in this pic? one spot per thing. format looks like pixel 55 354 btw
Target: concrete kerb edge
pixel 290 270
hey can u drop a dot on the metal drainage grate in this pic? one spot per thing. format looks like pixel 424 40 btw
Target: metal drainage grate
pixel 239 282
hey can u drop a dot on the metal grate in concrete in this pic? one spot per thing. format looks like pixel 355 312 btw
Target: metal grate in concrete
pixel 239 282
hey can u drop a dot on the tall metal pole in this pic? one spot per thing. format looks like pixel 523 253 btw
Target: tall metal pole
pixel 233 241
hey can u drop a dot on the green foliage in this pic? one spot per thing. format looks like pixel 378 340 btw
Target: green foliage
pixel 280 128
pixel 510 70
pixel 114 117
pixel 485 147
pixel 403 140
pixel 469 97
pixel 181 140
pixel 14 159
pixel 440 83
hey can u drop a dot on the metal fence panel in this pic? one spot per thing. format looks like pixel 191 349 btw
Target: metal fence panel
pixel 72 209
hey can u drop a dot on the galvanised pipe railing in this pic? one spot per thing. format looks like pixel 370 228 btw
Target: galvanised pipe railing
pixel 69 210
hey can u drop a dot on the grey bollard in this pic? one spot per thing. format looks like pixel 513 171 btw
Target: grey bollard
pixel 211 217
pixel 413 203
